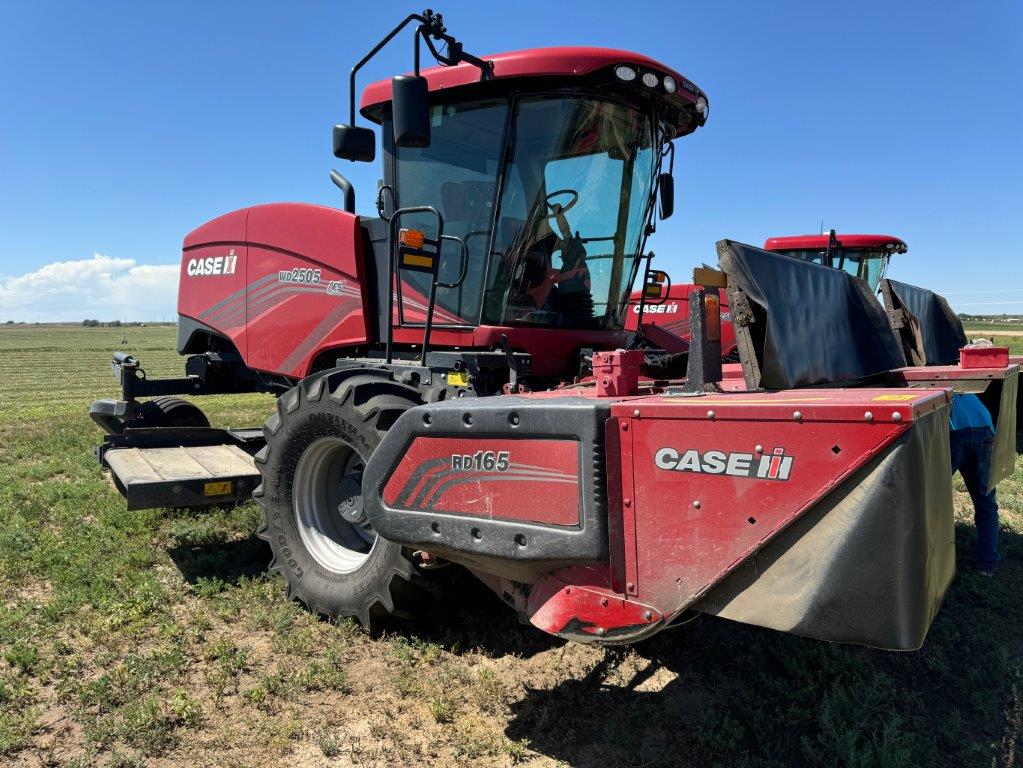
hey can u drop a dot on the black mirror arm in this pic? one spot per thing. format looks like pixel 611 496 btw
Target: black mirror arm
pixel 431 25
pixel 376 49
pixel 456 55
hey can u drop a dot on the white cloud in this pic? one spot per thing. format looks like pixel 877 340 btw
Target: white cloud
pixel 103 287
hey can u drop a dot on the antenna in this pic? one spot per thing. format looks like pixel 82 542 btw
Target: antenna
pixel 822 227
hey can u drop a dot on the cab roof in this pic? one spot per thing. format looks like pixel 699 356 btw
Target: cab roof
pixel 563 62
pixel 820 242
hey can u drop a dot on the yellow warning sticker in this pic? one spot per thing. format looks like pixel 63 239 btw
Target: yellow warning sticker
pixel 220 488
pixel 458 378
pixel 892 398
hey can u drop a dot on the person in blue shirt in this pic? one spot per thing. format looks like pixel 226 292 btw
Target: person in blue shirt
pixel 971 439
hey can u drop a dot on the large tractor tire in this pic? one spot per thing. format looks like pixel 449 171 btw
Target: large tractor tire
pixel 169 412
pixel 317 445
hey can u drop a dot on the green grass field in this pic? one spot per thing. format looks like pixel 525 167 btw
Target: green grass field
pixel 156 638
pixel 1001 334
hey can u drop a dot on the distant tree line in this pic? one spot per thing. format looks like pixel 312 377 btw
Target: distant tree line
pixel 1003 318
pixel 111 324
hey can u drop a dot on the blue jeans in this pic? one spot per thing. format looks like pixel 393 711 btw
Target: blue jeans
pixel 971 456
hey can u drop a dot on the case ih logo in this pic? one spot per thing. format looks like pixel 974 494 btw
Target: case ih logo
pixel 769 466
pixel 657 309
pixel 212 265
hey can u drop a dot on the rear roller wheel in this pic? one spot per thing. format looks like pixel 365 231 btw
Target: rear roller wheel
pixel 317 446
pixel 169 412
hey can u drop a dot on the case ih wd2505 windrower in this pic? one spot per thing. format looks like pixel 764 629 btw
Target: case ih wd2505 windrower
pixel 455 382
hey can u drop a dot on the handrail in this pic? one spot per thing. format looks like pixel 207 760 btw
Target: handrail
pixel 392 273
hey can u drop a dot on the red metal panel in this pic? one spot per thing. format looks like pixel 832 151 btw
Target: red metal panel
pixel 576 603
pixel 624 572
pixel 617 372
pixel 705 481
pixel 214 274
pixel 305 285
pixel 984 357
pixel 806 405
pixel 939 373
pixel 295 285
pixel 551 348
pixel 525 480
pixel 701 507
pixel 228 228
pixel 673 315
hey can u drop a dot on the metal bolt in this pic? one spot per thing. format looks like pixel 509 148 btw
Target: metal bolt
pixel 599 631
pixel 759 449
pixel 625 426
pixel 627 502
pixel 868 416
pixel 797 415
pixel 636 413
pixel 696 504
pixel 647 615
pixel 630 587
pixel 710 414
pixel 896 416
pixel 603 601
pixel 568 590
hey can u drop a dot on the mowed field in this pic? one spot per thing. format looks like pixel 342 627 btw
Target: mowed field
pixel 1002 334
pixel 158 639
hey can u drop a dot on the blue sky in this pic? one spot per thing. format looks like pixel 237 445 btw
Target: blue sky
pixel 123 125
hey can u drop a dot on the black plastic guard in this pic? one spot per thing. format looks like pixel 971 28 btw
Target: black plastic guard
pixel 495 545
pixel 931 333
pixel 870 564
pixel 798 324
pixel 1001 398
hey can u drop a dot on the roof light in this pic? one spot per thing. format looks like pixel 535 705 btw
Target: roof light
pixel 669 83
pixel 650 80
pixel 625 73
pixel 702 107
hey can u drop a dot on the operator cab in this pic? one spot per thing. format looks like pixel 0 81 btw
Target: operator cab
pixel 862 256
pixel 553 217
pixel 536 174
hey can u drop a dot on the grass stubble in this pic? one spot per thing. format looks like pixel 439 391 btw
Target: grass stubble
pixel 157 638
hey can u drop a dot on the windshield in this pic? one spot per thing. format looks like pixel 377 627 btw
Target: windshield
pixel 571 213
pixel 572 203
pixel 865 264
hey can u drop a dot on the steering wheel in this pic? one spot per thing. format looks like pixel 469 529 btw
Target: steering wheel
pixel 555 208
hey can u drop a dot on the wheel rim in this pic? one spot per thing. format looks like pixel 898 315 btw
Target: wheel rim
pixel 328 477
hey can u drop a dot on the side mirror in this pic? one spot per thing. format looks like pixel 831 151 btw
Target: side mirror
pixel 409 94
pixel 666 192
pixel 351 143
